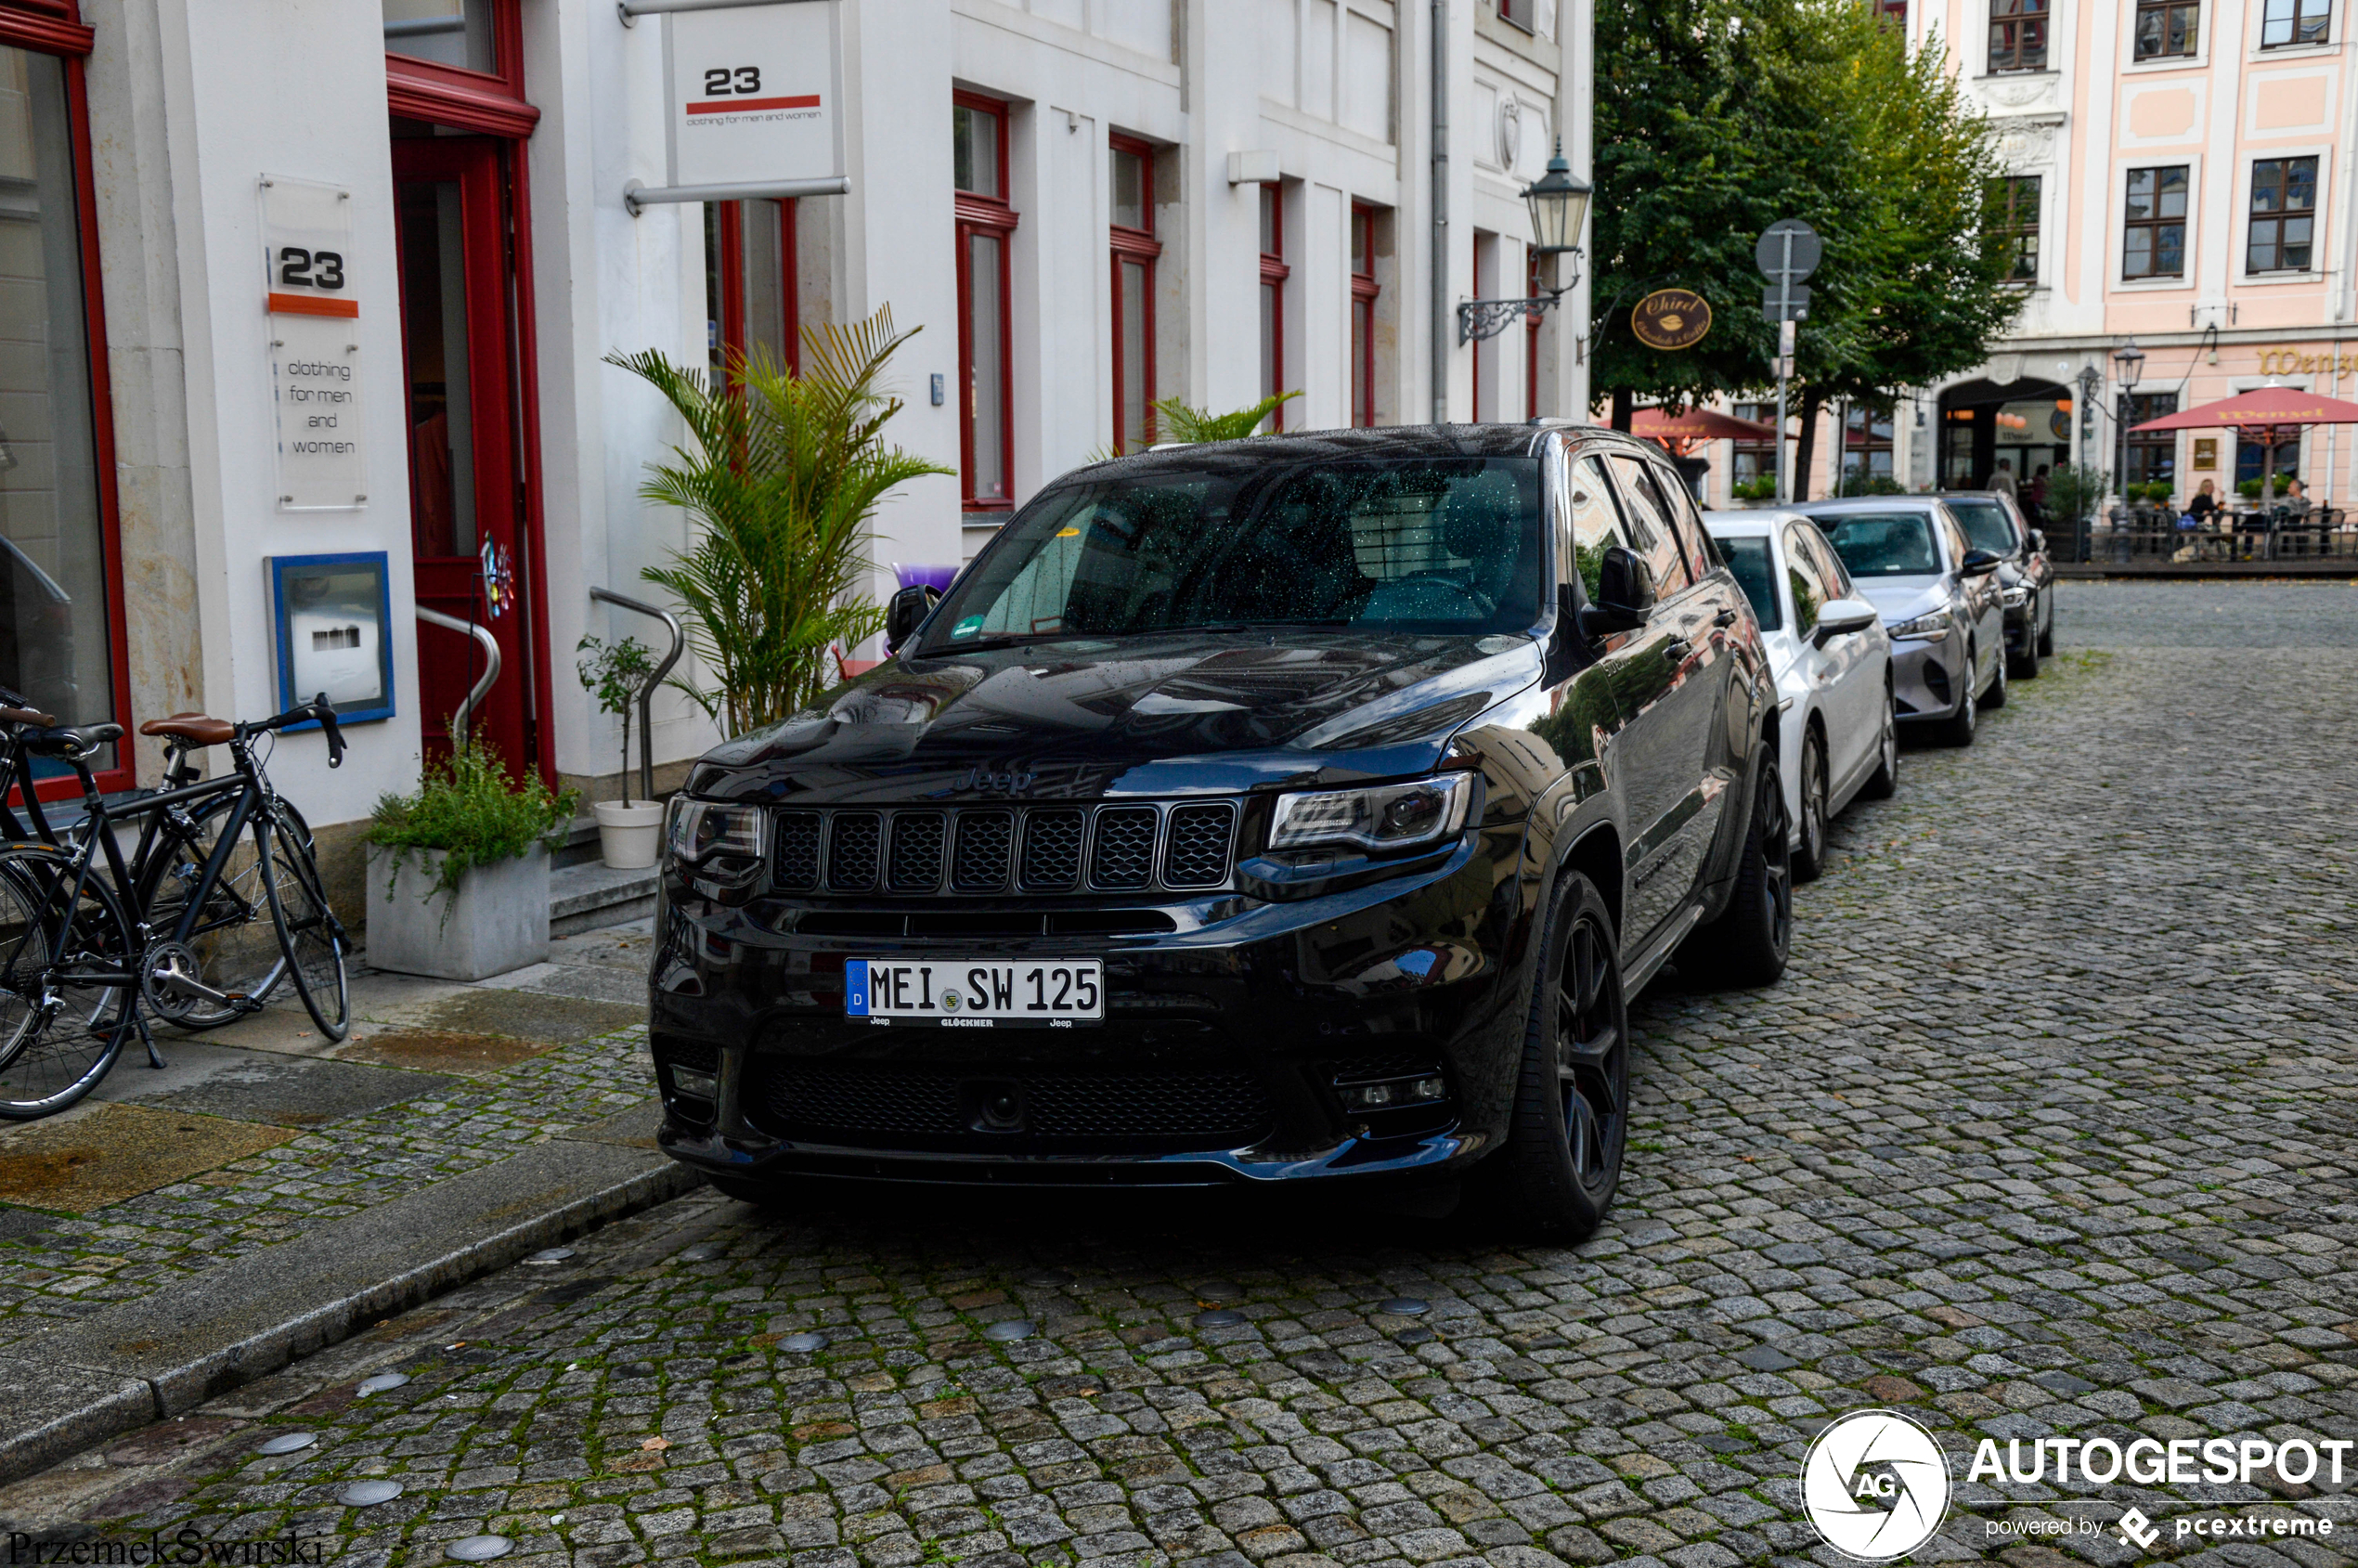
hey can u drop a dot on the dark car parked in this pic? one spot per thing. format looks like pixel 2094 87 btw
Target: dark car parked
pixel 1299 808
pixel 1993 521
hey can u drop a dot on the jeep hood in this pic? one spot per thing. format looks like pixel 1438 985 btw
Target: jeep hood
pixel 1173 713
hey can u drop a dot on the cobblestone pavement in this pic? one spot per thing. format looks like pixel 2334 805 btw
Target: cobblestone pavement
pixel 2049 1131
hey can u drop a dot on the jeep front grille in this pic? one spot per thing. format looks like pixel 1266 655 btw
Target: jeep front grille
pixel 935 850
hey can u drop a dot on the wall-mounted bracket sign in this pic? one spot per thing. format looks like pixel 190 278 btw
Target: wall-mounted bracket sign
pixel 331 613
pixel 755 99
pixel 312 302
pixel 1669 320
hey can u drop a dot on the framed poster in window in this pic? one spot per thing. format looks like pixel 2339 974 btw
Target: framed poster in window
pixel 331 614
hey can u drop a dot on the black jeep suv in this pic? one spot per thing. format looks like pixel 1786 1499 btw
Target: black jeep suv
pixel 1299 808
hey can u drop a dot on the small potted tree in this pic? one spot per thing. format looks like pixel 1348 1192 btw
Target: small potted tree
pixel 459 870
pixel 614 673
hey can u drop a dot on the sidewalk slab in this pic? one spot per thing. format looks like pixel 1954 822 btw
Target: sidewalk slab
pixel 48 1412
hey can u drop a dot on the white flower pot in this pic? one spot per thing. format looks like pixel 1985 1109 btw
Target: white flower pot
pixel 628 835
pixel 496 920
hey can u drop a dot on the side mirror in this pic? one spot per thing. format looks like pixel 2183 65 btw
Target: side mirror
pixel 907 613
pixel 1976 564
pixel 2037 541
pixel 1625 594
pixel 1841 617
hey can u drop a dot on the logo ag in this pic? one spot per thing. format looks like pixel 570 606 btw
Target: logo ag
pixel 1875 1486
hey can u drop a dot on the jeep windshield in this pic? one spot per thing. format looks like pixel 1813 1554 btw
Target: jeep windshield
pixel 1424 545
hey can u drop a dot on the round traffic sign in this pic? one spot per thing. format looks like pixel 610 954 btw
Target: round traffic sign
pixel 1803 258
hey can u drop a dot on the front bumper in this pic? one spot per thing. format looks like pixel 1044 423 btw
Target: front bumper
pixel 1230 1044
pixel 1928 679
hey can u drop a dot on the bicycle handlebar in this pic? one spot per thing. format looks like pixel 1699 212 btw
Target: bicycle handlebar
pixel 319 708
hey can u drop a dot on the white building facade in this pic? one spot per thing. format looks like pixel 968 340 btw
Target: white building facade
pixel 312 306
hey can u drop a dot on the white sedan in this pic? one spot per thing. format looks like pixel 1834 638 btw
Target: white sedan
pixel 1833 663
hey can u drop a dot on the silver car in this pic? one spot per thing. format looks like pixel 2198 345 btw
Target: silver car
pixel 1940 599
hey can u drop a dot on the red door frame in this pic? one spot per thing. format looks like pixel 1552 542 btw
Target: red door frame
pixel 994 217
pixel 493 104
pixel 733 282
pixel 54 26
pixel 1273 273
pixel 1138 246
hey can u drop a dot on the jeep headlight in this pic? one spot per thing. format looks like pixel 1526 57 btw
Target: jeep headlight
pixel 1923 628
pixel 732 838
pixel 1383 816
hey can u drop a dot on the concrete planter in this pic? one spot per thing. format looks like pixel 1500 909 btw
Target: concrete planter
pixel 627 835
pixel 498 920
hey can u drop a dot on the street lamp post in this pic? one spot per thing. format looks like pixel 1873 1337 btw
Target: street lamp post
pixel 2091 382
pixel 1558 203
pixel 2129 364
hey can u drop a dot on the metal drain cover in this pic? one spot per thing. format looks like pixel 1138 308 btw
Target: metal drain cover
pixel 803 1342
pixel 383 1383
pixel 1223 1318
pixel 479 1549
pixel 369 1494
pixel 550 1255
pixel 289 1442
pixel 1010 1329
pixel 1405 1306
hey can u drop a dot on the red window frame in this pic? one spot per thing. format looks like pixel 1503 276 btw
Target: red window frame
pixel 1530 319
pixel 991 215
pixel 1273 273
pixel 491 102
pixel 1363 289
pixel 54 26
pixel 731 269
pixel 1139 247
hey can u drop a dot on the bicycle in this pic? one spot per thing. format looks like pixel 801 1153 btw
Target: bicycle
pixel 76 967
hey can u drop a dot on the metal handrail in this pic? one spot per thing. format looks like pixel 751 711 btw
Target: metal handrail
pixel 647 693
pixel 482 634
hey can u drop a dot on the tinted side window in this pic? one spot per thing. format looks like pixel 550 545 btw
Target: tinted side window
pixel 1809 587
pixel 1650 518
pixel 1701 556
pixel 1596 524
pixel 1955 536
pixel 1830 566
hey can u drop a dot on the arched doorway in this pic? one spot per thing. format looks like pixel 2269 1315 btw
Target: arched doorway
pixel 2026 424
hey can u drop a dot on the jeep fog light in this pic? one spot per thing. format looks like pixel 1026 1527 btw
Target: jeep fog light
pixel 703 1085
pixel 1393 1092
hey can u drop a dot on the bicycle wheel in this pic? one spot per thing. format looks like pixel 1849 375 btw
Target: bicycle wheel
pixel 236 952
pixel 308 933
pixel 66 1000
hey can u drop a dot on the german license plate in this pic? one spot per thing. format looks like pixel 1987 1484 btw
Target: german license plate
pixel 975 993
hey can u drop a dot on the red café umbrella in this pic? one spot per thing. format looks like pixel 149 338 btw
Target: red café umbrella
pixel 2260 415
pixel 1680 433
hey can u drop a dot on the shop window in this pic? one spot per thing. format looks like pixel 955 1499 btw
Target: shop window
pixel 1273 273
pixel 1754 459
pixel 1363 293
pixel 2152 454
pixel 2167 28
pixel 2286 22
pixel 986 233
pixel 2284 214
pixel 750 286
pixel 61 574
pixel 458 63
pixel 1866 452
pixel 456 32
pixel 2013 217
pixel 2153 243
pixel 1135 254
pixel 2018 35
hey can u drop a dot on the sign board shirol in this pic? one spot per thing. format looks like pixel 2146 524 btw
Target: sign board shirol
pixel 755 93
pixel 312 283
pixel 1671 319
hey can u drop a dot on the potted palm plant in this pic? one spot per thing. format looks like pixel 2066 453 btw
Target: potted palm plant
pixel 614 673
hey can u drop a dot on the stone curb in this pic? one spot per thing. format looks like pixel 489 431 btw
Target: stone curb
pixel 164 1355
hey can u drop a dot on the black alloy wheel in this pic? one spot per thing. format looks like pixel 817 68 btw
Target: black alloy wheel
pixel 1883 783
pixel 1562 1160
pixel 1810 838
pixel 1958 728
pixel 1747 946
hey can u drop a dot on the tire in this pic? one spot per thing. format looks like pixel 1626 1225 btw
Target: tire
pixel 2047 638
pixel 1883 783
pixel 1809 833
pixel 1958 728
pixel 1562 1164
pixel 2025 664
pixel 237 949
pixel 1996 696
pixel 1746 947
pixel 309 933
pixel 48 1063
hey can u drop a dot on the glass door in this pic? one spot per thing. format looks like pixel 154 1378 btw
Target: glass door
pixel 465 479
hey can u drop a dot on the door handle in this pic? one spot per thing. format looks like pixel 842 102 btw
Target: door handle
pixel 1724 618
pixel 1676 650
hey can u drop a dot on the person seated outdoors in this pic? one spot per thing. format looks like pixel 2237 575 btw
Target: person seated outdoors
pixel 2204 507
pixel 2294 503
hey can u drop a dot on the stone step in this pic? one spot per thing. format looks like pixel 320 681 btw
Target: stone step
pixel 585 895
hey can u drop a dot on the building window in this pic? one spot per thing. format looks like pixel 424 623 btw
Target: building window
pixel 1866 449
pixel 2287 22
pixel 1892 12
pixel 1273 273
pixel 60 575
pixel 2168 27
pixel 454 32
pixel 986 230
pixel 750 308
pixel 2014 217
pixel 2284 214
pixel 1519 12
pixel 2154 244
pixel 1363 317
pixel 1135 252
pixel 2018 35
pixel 458 63
pixel 1754 459
pixel 2152 454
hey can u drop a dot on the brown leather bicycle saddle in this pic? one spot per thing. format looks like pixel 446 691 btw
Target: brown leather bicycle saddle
pixel 196 729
